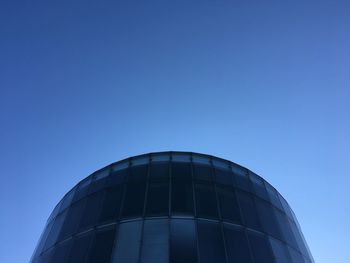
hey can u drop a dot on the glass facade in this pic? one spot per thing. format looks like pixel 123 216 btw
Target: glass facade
pixel 172 207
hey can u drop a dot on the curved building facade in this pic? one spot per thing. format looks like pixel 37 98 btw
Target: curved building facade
pixel 175 207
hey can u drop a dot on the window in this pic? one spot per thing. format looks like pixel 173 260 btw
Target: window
pixel 280 251
pixel 111 204
pixel 241 179
pixel 157 198
pixel 223 177
pixel 237 245
pixel 202 172
pixel 55 230
pixel 259 186
pixel 128 243
pixel 42 239
pixel 210 242
pixel 67 199
pixel 260 248
pixel 82 189
pixel 71 224
pixel 267 218
pixel 117 178
pixel 285 228
pixel 247 206
pixel 155 243
pixel 182 241
pixel 134 200
pixel 181 171
pixel 102 246
pixel 92 210
pixel 62 252
pixel 296 257
pixel 80 247
pixel 273 196
pixel 228 204
pixel 181 197
pixel 138 174
pixel 159 171
pixel 206 201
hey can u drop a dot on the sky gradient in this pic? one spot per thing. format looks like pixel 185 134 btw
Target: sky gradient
pixel 265 85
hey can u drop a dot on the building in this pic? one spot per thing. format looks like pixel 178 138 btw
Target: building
pixel 173 207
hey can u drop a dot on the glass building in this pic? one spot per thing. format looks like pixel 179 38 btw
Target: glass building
pixel 173 207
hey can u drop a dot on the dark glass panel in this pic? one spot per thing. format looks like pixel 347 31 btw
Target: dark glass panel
pixel 228 204
pixel 55 230
pixel 280 251
pixel 210 242
pixel 71 224
pixel 296 257
pixel 267 218
pixel 159 171
pixel 182 241
pixel 82 189
pixel 134 200
pixel 285 228
pixel 46 257
pixel 155 243
pixel 242 180
pixel 259 186
pixel 182 197
pixel 223 177
pixel 298 238
pixel 157 198
pixel 102 245
pixel 81 245
pixel 117 178
pixel 111 204
pixel 43 239
pixel 92 210
pixel 128 243
pixel 202 172
pixel 62 252
pixel 237 246
pixel 273 196
pixel 206 201
pixel 260 247
pixel 138 174
pixel 97 185
pixel 67 199
pixel 181 157
pixel 248 210
pixel 181 171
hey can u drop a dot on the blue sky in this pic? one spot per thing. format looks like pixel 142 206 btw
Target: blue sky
pixel 265 84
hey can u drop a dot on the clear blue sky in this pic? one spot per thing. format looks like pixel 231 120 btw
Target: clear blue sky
pixel 265 84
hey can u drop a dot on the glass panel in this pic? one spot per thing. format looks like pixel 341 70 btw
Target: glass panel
pixel 83 189
pixel 223 177
pixel 182 197
pixel 62 252
pixel 201 159
pixel 273 196
pixel 241 178
pixel 162 157
pixel 285 228
pixel 202 172
pixel 120 166
pixel 248 210
pixel 298 239
pixel 181 171
pixel 280 251
pixel 102 246
pixel 138 174
pixel 236 245
pixel 80 247
pixel 159 171
pixel 128 243
pixel 210 242
pixel 206 204
pixel 258 186
pixel 91 210
pixel 42 239
pixel 117 178
pixel 102 173
pixel 55 230
pixel 46 257
pixel 134 200
pixel 155 244
pixel 228 204
pixel 286 207
pixel 178 157
pixel 267 218
pixel 260 248
pixel 222 164
pixel 71 224
pixel 55 211
pixel 157 198
pixel 182 241
pixel 67 200
pixel 140 160
pixel 111 204
pixel 296 257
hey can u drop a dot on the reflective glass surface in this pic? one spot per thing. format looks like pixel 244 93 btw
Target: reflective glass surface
pixel 172 207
